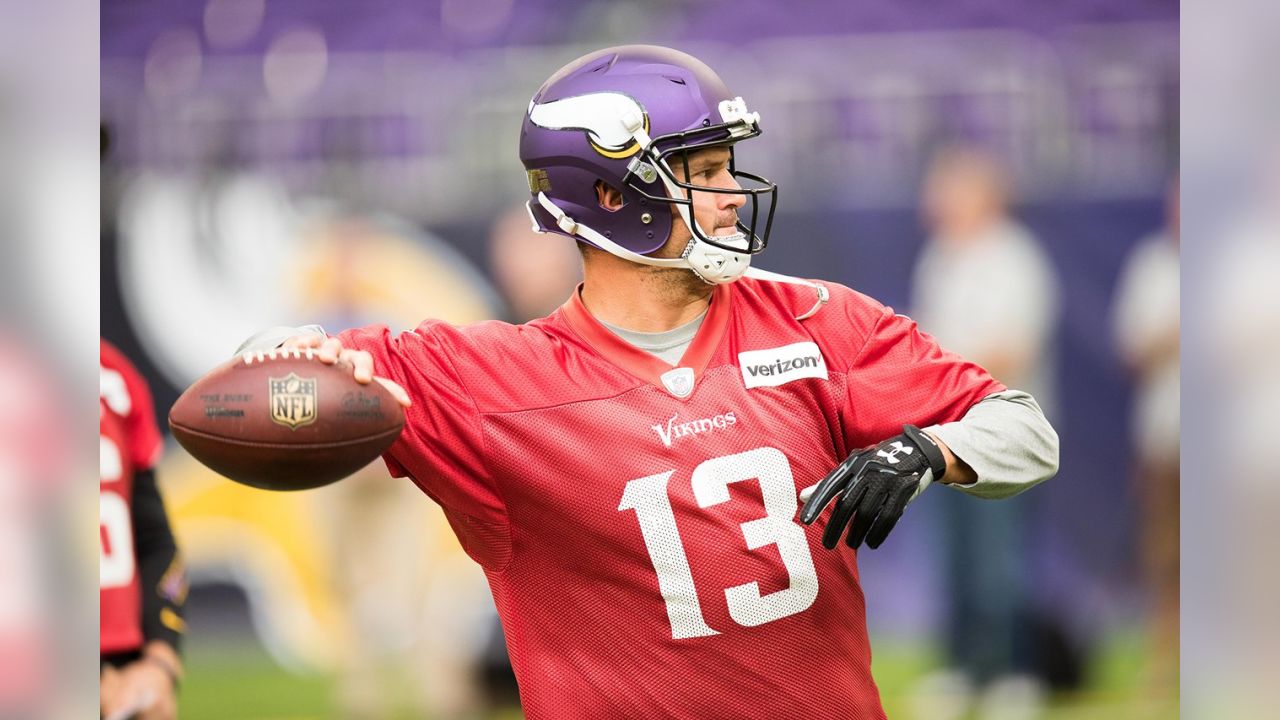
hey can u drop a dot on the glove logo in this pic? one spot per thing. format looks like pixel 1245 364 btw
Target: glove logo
pixel 891 456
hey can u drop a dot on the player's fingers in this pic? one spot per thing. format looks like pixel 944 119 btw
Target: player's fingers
pixel 129 711
pixel 823 493
pixel 329 350
pixel 845 509
pixel 160 708
pixel 889 517
pixel 881 527
pixel 302 342
pixel 806 493
pixel 828 488
pixel 361 364
pixel 864 515
pixel 125 704
pixel 397 392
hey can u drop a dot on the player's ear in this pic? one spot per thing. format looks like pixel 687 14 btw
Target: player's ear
pixel 609 197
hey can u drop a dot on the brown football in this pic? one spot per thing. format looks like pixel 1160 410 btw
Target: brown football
pixel 283 420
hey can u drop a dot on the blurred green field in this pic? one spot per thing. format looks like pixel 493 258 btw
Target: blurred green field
pixel 238 680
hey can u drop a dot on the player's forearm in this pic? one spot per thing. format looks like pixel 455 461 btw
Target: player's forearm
pixel 958 471
pixel 1005 441
pixel 160 569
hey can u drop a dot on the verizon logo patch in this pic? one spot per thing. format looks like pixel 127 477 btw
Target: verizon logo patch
pixel 781 365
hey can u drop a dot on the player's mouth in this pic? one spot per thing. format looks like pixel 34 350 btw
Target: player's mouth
pixel 733 238
pixel 727 227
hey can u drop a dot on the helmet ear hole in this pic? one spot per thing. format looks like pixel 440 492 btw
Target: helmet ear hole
pixel 609 197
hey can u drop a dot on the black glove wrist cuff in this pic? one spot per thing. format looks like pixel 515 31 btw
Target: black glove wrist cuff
pixel 928 446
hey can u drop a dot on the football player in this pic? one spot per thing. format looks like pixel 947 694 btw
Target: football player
pixel 629 470
pixel 142 581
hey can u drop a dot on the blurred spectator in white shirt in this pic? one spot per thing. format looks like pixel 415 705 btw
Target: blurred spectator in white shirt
pixel 1147 329
pixel 984 287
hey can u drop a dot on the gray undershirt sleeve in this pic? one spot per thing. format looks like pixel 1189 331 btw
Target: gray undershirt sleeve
pixel 274 337
pixel 1007 440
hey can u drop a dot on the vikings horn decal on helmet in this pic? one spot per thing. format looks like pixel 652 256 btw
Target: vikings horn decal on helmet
pixel 627 116
pixel 599 114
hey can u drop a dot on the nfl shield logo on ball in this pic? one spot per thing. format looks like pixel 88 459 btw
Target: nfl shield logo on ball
pixel 293 401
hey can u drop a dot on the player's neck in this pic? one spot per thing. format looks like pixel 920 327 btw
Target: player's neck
pixel 644 299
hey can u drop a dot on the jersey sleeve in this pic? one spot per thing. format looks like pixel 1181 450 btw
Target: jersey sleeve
pixel 901 375
pixel 442 446
pixel 143 434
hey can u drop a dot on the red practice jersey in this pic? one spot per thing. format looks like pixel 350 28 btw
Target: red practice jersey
pixel 637 522
pixel 130 443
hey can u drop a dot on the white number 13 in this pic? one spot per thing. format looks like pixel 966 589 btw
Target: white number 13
pixel 711 480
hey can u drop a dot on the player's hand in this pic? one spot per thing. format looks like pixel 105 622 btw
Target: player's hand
pixel 141 690
pixel 329 350
pixel 873 486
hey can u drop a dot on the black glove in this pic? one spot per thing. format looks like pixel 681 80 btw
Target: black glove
pixel 874 486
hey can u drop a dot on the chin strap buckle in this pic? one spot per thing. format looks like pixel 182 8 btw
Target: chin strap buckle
pixel 632 121
pixel 563 221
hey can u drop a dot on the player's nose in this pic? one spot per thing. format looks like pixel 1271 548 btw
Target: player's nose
pixel 733 200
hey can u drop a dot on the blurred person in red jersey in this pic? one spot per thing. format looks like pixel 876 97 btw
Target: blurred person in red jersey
pixel 1147 332
pixel 985 288
pixel 142 581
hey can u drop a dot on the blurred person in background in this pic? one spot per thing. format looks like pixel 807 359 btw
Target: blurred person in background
pixel 1238 324
pixel 33 463
pixel 533 272
pixel 410 602
pixel 590 460
pixel 1147 330
pixel 984 287
pixel 142 581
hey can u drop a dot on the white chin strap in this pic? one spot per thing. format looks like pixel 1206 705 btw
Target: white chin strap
pixel 708 262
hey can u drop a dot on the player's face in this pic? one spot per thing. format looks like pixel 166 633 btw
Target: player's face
pixel 715 213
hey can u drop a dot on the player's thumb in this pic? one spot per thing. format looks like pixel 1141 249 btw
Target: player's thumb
pixel 396 391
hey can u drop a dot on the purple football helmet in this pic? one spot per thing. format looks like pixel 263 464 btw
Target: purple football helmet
pixel 626 116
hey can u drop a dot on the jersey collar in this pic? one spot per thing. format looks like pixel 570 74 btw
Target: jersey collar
pixel 642 364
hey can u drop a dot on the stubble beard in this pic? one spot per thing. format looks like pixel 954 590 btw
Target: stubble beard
pixel 676 284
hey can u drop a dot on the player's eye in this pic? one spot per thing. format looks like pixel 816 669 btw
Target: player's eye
pixel 710 172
